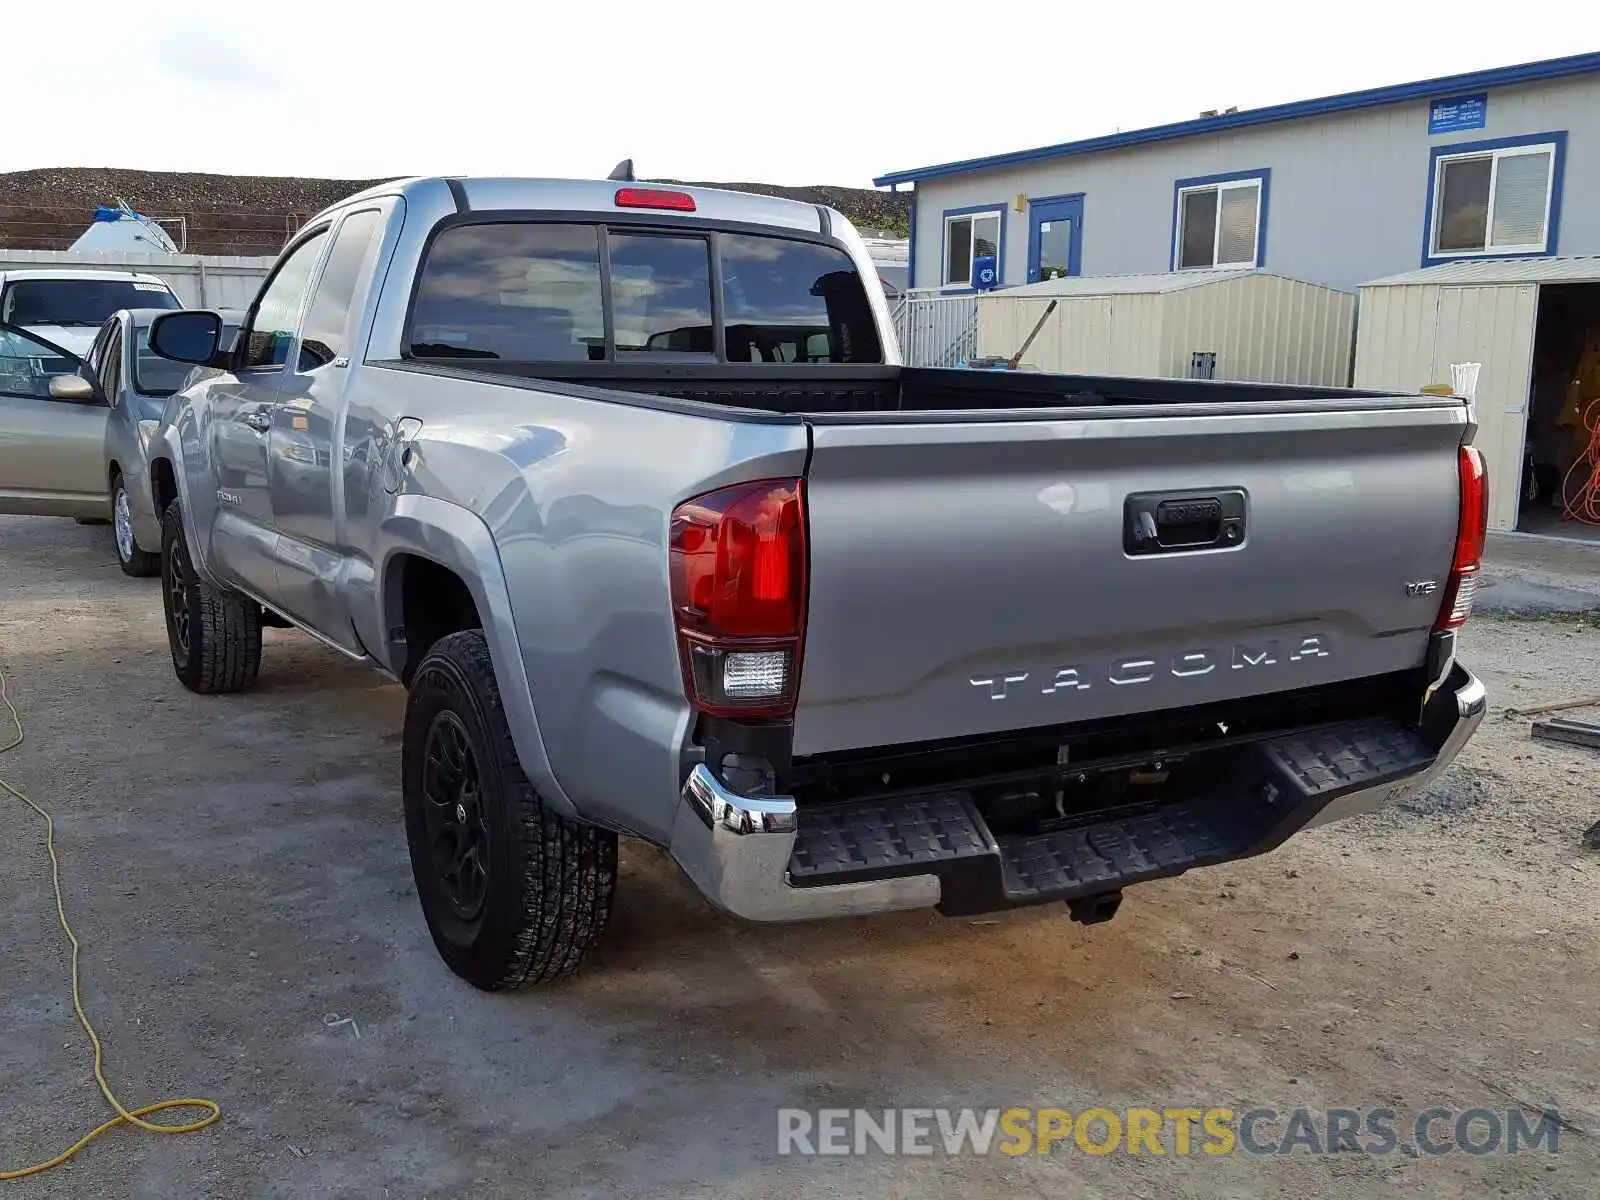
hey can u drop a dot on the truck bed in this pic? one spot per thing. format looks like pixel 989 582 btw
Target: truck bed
pixel 1001 551
pixel 823 391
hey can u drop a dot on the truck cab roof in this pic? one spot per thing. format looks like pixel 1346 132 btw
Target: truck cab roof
pixel 591 196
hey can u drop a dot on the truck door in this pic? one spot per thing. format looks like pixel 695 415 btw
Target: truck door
pixel 243 407
pixel 305 479
pixel 51 451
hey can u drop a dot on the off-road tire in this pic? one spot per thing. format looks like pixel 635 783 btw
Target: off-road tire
pixel 548 882
pixel 221 650
pixel 141 564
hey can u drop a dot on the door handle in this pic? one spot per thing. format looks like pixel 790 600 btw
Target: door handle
pixel 259 421
pixel 1164 522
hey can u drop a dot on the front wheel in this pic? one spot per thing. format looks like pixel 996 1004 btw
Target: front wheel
pixel 214 635
pixel 133 561
pixel 514 894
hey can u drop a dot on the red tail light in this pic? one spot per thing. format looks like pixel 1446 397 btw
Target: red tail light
pixel 634 197
pixel 1471 532
pixel 738 569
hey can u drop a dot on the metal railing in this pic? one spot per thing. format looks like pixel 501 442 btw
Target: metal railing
pixel 936 330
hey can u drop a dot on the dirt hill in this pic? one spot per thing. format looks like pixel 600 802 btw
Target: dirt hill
pixel 252 214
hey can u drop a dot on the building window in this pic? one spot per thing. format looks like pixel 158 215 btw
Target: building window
pixel 967 236
pixel 1493 199
pixel 1219 221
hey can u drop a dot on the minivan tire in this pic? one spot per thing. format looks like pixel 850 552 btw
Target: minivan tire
pixel 214 634
pixel 514 894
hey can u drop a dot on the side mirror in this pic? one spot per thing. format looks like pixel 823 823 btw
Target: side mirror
pixel 74 389
pixel 187 336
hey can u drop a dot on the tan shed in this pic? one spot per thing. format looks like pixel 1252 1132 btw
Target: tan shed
pixel 1493 312
pixel 1242 326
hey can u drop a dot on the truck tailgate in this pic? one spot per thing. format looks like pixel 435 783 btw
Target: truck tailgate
pixel 970 576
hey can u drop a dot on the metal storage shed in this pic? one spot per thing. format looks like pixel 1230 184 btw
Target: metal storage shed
pixel 1416 324
pixel 1238 325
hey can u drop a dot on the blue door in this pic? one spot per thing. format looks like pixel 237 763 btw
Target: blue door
pixel 1055 236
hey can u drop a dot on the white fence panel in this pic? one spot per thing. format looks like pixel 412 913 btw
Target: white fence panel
pixel 936 330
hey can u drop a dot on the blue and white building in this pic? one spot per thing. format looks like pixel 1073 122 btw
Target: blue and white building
pixel 1338 190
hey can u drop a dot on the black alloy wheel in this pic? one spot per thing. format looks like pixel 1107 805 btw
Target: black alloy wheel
pixel 175 583
pixel 458 838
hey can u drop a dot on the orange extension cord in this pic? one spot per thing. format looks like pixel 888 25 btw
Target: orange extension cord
pixel 1584 503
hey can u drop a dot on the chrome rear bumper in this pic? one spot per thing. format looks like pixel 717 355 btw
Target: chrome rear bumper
pixel 1456 712
pixel 738 849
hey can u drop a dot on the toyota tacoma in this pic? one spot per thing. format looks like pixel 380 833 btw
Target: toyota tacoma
pixel 627 486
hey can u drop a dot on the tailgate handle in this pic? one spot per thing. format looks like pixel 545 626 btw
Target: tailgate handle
pixel 1168 522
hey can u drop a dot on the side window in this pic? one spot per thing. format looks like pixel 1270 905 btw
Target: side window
pixel 277 314
pixel 322 335
pixel 27 365
pixel 110 371
pixel 967 238
pixel 1219 223
pixel 1494 201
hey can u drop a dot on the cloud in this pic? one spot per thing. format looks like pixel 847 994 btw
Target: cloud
pixel 213 59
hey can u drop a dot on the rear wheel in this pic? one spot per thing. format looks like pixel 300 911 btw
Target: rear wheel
pixel 214 635
pixel 514 894
pixel 134 561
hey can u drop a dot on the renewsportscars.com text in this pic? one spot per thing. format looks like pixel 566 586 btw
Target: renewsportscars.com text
pixel 1176 1131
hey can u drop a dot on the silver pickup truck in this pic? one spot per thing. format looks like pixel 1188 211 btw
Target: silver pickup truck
pixel 627 487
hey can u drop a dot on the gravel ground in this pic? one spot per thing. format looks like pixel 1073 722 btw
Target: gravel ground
pixel 237 871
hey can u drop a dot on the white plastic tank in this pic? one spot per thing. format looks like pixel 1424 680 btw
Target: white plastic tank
pixel 121 229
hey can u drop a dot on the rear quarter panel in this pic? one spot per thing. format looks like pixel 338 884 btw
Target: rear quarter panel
pixel 578 494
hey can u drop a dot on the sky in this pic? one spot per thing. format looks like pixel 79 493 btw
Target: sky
pixel 821 92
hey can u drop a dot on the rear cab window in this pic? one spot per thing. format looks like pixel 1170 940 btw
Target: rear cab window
pixel 661 294
pixel 787 301
pixel 551 292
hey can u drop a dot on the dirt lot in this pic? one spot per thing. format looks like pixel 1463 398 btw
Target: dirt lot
pixel 237 871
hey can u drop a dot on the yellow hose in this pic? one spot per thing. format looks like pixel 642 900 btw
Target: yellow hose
pixel 134 1117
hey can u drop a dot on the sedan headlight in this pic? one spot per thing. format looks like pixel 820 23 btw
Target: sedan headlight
pixel 147 430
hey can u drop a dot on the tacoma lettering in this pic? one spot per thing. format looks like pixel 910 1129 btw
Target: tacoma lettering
pixel 1127 672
